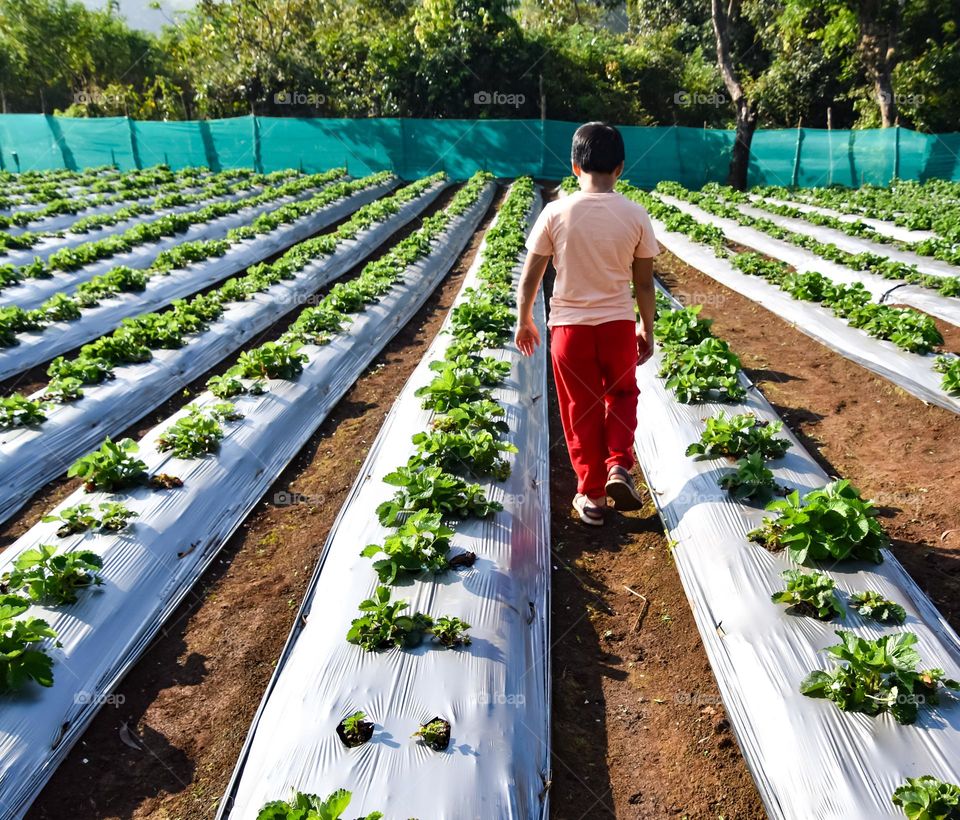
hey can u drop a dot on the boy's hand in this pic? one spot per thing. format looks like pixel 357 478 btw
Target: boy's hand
pixel 644 344
pixel 528 337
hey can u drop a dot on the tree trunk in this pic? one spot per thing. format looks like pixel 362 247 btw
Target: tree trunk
pixel 746 115
pixel 878 53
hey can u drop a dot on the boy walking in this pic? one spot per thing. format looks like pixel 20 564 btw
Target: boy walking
pixel 601 242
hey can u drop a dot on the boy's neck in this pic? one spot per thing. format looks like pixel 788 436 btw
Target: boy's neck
pixel 597 183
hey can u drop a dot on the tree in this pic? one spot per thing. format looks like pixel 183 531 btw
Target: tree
pixel 746 114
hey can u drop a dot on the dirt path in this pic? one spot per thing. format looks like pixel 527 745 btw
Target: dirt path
pixel 167 751
pixel 897 450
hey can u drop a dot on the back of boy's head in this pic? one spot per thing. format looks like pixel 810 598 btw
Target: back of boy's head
pixel 597 148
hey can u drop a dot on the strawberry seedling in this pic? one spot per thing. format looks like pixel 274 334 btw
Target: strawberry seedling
pixel 810 594
pixel 451 632
pixel 355 730
pixel 382 626
pixel 49 577
pixel 435 734
pixel 739 436
pixel 113 467
pixel 751 480
pixel 76 519
pixel 873 605
pixel 420 544
pixel 433 489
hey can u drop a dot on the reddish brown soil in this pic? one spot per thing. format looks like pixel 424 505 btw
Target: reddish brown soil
pixel 188 703
pixel 899 451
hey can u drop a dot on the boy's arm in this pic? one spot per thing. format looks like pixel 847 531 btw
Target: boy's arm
pixel 643 289
pixel 528 337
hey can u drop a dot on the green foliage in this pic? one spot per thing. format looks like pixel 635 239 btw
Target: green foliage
pixel 111 468
pixel 50 577
pixel 875 676
pixel 810 594
pixel 682 327
pixel 383 626
pixel 704 371
pixel 927 798
pixel 872 604
pixel 469 417
pixel 419 544
pixel 830 524
pixel 451 632
pixel 479 453
pixel 751 480
pixel 949 366
pixel 22 659
pixel 76 519
pixel 272 360
pixel 432 489
pixel 19 411
pixel 739 436
pixel 311 807
pixel 451 387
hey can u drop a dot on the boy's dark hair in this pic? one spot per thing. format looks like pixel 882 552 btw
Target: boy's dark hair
pixel 597 147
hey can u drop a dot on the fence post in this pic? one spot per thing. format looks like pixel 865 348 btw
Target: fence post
pixel 795 176
pixel 134 149
pixel 896 151
pixel 257 161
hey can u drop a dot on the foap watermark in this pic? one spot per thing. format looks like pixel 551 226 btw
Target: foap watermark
pixel 96 98
pixel 501 699
pixel 688 98
pixel 714 300
pixel 498 98
pixel 901 99
pixel 114 699
pixel 299 98
pixel 287 498
pixel 697 699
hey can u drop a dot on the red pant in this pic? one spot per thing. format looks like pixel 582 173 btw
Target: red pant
pixel 595 367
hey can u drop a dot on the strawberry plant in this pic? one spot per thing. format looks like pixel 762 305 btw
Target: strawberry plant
pixel 482 415
pixel 451 387
pixel 682 326
pixel 420 544
pixel 433 489
pixel 271 360
pixel 480 452
pixel 311 807
pixel 382 625
pixel 830 524
pixel 873 605
pixel 875 676
pixel 115 516
pixel 928 798
pixel 197 433
pixel 435 734
pixel 490 370
pixel 355 730
pixel 22 659
pixel 63 390
pixel 751 480
pixel 739 436
pixel 949 366
pixel 19 411
pixel 76 519
pixel 44 575
pixel 225 387
pixel 113 467
pixel 810 594
pixel 451 632
pixel 702 371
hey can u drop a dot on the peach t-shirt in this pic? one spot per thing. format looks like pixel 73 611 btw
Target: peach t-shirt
pixel 593 239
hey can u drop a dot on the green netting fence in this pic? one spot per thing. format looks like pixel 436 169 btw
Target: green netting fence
pixel 507 148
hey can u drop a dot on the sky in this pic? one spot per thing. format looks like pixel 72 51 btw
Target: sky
pixel 140 15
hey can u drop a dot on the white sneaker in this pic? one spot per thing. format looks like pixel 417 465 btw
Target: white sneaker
pixel 589 511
